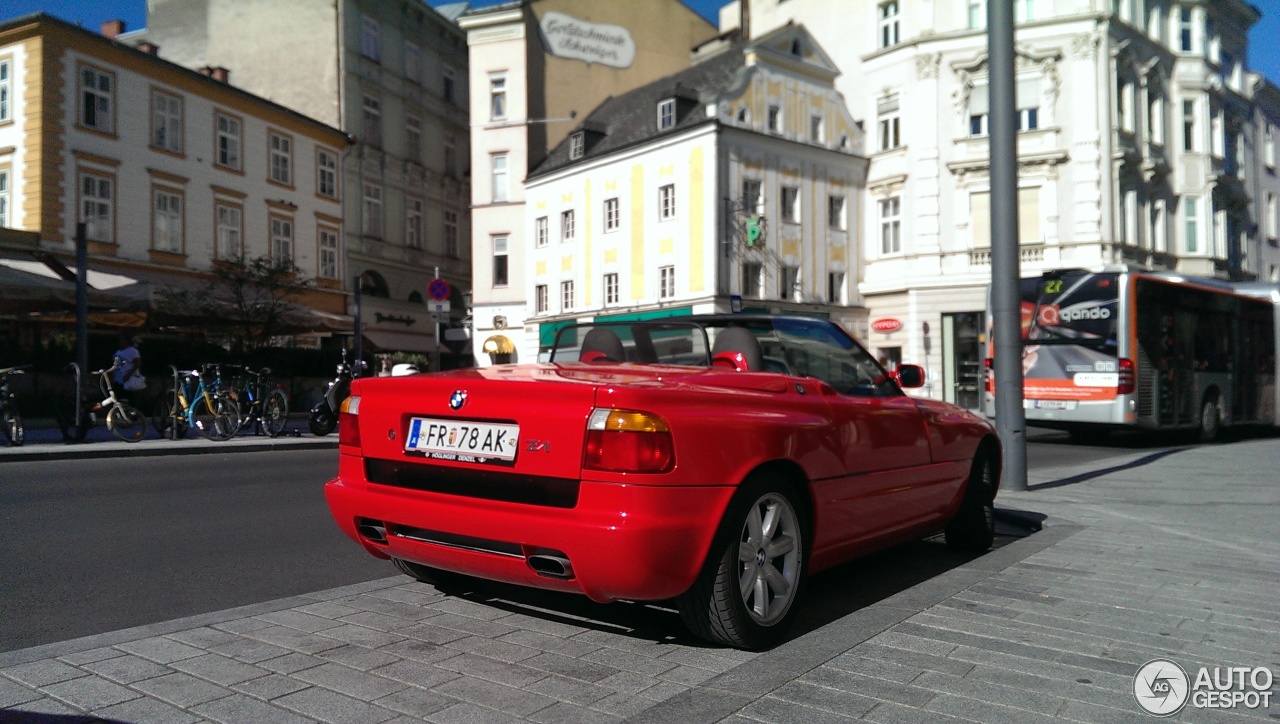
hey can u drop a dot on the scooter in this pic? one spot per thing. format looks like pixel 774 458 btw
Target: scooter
pixel 324 416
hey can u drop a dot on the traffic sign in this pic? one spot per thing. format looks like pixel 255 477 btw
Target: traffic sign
pixel 439 306
pixel 438 289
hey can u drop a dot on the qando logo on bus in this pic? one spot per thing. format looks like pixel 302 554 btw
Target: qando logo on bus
pixel 1163 688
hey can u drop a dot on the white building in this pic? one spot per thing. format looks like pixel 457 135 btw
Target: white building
pixel 171 170
pixel 730 185
pixel 392 73
pixel 1138 143
pixel 535 66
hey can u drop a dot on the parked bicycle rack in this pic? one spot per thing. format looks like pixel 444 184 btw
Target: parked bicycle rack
pixel 80 395
pixel 173 421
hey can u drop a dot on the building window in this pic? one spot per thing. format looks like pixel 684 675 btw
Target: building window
pixel 1024 11
pixel 166 122
pixel 228 244
pixel 6 92
pixel 4 198
pixel 567 226
pixel 499 261
pixel 540 299
pixel 281 242
pixel 1191 217
pixel 752 279
pixel 327 173
pixel 413 63
pixel 413 138
pixel 666 114
pixel 1027 96
pixel 451 234
pixel 1155 116
pixel 449 86
pixel 372 211
pixel 611 288
pixel 566 295
pixel 836 213
pixel 979 105
pixel 228 151
pixel 788 283
pixel 97 207
pixel 328 244
pixel 577 145
pixel 167 221
pixel 667 202
pixel 977 14
pixel 413 223
pixel 370 40
pixel 888 23
pixel 1158 230
pixel 499 162
pixel 816 134
pixel 775 119
pixel 497 97
pixel 97 105
pixel 752 196
pixel 889 123
pixel 1272 222
pixel 281 159
pixel 541 233
pixel 835 287
pixel 450 156
pixel 1185 29
pixel 371 122
pixel 1269 145
pixel 612 216
pixel 1188 125
pixel 791 204
pixel 890 225
pixel 667 282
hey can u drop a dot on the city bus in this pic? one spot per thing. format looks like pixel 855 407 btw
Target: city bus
pixel 1122 348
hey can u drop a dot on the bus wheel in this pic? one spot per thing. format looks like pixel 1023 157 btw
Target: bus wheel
pixel 1210 419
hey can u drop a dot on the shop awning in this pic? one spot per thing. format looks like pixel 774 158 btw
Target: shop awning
pixel 498 344
pixel 388 341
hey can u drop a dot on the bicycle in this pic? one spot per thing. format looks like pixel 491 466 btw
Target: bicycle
pixel 10 417
pixel 261 402
pixel 123 419
pixel 197 404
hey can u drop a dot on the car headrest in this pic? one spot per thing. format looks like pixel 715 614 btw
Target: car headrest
pixel 743 342
pixel 602 345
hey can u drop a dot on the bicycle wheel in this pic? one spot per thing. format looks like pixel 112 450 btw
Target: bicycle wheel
pixel 217 418
pixel 167 414
pixel 275 413
pixel 11 426
pixel 127 422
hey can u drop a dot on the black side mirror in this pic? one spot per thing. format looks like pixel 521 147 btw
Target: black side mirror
pixel 909 376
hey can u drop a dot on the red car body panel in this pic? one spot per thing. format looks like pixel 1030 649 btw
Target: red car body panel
pixel 874 471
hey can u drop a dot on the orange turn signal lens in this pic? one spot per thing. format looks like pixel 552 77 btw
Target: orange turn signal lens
pixel 627 441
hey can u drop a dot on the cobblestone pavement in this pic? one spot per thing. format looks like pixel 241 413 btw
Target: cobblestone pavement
pixel 1167 555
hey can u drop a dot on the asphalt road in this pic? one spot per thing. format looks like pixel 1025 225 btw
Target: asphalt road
pixel 91 546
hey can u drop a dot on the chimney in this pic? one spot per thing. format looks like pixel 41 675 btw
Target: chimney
pixel 148 48
pixel 221 74
pixel 206 70
pixel 112 28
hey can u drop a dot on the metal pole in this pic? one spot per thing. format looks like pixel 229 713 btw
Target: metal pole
pixel 1011 423
pixel 436 363
pixel 355 368
pixel 82 319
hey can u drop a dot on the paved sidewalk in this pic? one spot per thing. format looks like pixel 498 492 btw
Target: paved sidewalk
pixel 1173 555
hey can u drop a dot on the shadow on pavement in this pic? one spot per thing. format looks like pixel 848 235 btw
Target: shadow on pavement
pixel 828 596
pixel 1090 475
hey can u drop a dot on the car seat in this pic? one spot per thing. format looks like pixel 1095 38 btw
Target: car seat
pixel 602 345
pixel 740 342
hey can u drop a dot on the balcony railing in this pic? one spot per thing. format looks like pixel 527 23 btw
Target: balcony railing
pixel 1026 255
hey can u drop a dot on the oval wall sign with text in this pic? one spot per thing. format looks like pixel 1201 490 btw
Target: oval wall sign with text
pixel 886 325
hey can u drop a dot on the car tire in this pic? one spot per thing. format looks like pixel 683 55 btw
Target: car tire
pixel 426 574
pixel 1210 420
pixel 747 590
pixel 973 529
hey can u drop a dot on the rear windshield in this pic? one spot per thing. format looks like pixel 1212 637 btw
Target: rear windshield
pixel 1074 308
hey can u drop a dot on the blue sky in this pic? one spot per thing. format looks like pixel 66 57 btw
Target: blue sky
pixel 1264 40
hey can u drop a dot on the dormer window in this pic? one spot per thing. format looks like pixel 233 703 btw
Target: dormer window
pixel 577 144
pixel 667 114
pixel 797 49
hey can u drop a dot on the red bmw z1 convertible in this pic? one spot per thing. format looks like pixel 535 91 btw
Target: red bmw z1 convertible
pixel 711 460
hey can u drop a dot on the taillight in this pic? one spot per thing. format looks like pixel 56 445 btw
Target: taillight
pixel 1127 383
pixel 626 441
pixel 348 429
pixel 987 378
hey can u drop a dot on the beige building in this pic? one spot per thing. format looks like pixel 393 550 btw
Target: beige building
pixel 536 66
pixel 1143 139
pixel 393 74
pixel 171 171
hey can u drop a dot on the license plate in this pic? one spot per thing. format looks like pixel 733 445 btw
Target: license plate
pixel 1056 404
pixel 462 440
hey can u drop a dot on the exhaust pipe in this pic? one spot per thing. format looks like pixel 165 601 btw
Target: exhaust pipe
pixel 551 566
pixel 372 530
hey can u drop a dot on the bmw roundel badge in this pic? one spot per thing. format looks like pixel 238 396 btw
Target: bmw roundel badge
pixel 457 399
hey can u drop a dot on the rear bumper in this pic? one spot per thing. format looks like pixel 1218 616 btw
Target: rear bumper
pixel 623 541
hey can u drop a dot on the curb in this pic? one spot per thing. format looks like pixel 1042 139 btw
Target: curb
pixel 152 448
